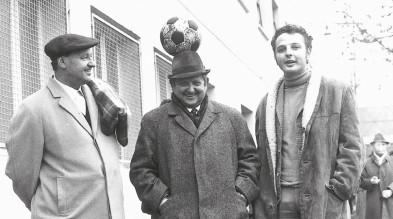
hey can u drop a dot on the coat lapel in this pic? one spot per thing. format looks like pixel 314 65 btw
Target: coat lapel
pixel 208 118
pixel 67 104
pixel 182 119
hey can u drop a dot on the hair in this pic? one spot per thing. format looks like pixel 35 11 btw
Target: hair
pixel 172 80
pixel 291 29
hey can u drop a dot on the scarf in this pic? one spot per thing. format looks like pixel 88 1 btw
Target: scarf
pixel 114 112
pixel 309 104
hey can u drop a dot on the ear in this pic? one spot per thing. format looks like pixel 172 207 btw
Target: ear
pixel 207 81
pixel 61 62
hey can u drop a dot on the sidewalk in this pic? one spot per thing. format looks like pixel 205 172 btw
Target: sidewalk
pixel 12 208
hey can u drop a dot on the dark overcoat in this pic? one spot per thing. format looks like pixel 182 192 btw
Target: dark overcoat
pixel 200 167
pixel 330 162
pixel 374 200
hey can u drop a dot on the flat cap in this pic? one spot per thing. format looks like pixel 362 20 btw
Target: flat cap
pixel 68 43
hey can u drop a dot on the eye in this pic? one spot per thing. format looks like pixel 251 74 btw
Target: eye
pixel 280 49
pixel 295 47
pixel 197 83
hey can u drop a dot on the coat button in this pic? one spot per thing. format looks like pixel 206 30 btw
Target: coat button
pixel 270 206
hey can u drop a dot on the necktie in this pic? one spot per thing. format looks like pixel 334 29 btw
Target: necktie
pixel 195 117
pixel 81 102
pixel 83 106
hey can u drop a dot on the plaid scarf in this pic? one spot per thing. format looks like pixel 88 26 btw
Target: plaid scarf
pixel 114 112
pixel 201 112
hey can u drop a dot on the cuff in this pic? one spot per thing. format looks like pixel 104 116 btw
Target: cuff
pixel 247 188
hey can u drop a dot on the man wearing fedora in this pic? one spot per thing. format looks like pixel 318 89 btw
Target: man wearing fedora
pixel 377 179
pixel 194 158
pixel 60 162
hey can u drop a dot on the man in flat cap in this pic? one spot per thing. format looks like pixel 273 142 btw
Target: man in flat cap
pixel 194 158
pixel 60 162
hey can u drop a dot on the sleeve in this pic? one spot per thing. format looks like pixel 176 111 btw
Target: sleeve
pixel 144 169
pixel 351 151
pixel 249 162
pixel 366 180
pixel 25 144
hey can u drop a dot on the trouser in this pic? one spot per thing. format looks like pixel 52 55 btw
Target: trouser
pixel 289 206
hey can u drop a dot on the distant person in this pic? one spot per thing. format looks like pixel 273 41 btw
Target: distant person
pixel 378 180
pixel 194 158
pixel 61 163
pixel 308 136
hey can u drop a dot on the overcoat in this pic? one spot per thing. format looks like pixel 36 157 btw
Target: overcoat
pixel 59 165
pixel 330 161
pixel 374 200
pixel 200 167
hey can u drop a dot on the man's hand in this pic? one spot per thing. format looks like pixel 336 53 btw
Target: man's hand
pixel 387 193
pixel 374 180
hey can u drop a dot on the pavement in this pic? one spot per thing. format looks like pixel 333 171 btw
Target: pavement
pixel 11 207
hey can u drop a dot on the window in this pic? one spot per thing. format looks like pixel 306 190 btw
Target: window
pixel 26 26
pixel 118 63
pixel 163 69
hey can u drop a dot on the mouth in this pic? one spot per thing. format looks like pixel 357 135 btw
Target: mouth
pixel 88 71
pixel 290 62
pixel 190 95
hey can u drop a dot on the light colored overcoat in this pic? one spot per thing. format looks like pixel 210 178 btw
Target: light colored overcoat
pixel 199 166
pixel 60 166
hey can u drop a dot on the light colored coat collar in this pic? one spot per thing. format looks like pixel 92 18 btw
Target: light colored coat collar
pixel 68 104
pixel 309 105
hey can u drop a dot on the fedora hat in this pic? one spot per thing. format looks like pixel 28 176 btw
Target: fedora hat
pixel 379 138
pixel 187 64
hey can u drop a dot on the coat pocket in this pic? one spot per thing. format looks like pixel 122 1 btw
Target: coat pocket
pixel 61 196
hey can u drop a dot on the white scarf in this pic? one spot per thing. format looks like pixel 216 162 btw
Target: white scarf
pixel 309 105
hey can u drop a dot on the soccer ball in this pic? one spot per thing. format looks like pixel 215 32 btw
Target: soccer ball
pixel 179 35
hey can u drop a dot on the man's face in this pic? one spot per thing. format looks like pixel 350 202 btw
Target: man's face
pixel 380 148
pixel 190 91
pixel 78 68
pixel 291 54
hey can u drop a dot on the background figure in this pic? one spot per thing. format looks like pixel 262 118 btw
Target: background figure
pixel 308 136
pixel 377 179
pixel 60 162
pixel 194 158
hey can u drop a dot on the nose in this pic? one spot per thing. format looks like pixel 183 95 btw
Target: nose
pixel 191 88
pixel 92 64
pixel 288 53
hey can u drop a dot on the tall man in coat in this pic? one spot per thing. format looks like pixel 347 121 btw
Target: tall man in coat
pixel 191 165
pixel 377 179
pixel 308 136
pixel 60 162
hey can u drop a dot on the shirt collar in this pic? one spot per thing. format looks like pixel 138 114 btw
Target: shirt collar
pixel 197 108
pixel 69 90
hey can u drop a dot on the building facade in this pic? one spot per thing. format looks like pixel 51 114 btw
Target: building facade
pixel 235 45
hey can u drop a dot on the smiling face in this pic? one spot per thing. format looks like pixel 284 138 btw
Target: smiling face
pixel 76 68
pixel 190 91
pixel 291 54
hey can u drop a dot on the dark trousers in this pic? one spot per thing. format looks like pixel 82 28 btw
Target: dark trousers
pixel 289 206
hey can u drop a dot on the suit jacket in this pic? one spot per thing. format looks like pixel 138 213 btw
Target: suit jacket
pixel 200 167
pixel 331 160
pixel 374 200
pixel 59 165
